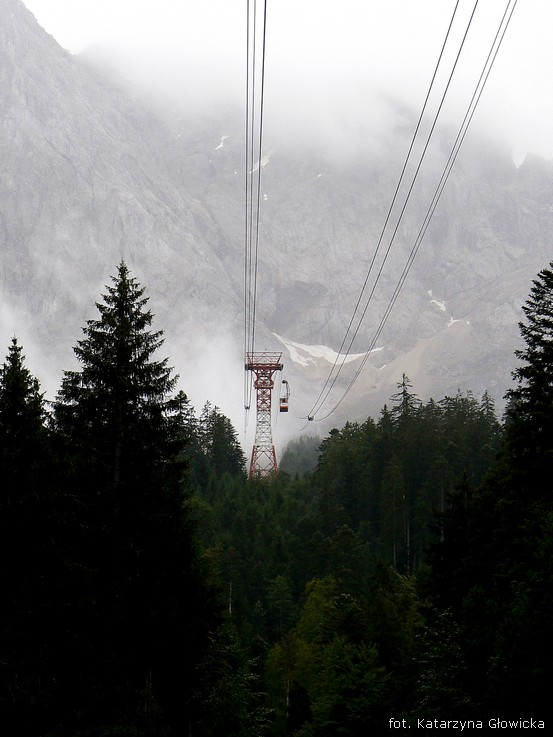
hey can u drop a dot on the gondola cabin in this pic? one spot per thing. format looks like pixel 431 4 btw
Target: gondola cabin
pixel 285 396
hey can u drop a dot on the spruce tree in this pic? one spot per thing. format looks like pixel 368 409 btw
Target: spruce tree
pixel 495 561
pixel 524 512
pixel 530 408
pixel 22 429
pixel 117 410
pixel 406 402
pixel 25 549
pixel 221 446
pixel 141 606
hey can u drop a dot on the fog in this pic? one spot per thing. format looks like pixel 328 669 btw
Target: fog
pixel 328 67
pixel 339 77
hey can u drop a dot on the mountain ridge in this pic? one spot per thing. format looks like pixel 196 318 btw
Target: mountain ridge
pixel 93 173
pixel 84 185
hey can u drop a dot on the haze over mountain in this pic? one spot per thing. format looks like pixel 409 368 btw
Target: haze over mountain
pixel 84 184
pixel 92 173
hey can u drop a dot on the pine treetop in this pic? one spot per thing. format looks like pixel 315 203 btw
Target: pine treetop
pixel 117 352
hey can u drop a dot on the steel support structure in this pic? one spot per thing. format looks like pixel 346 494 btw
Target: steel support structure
pixel 263 365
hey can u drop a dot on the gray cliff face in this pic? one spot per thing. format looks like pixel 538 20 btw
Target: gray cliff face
pixel 454 325
pixel 84 184
pixel 90 176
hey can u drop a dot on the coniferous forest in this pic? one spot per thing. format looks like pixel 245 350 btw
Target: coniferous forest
pixel 397 570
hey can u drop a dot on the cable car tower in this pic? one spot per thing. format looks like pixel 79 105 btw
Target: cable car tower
pixel 263 365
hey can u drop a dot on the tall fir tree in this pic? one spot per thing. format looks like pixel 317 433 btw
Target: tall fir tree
pixel 119 405
pixel 22 430
pixel 221 447
pixel 25 545
pixel 142 605
pixel 521 666
pixel 407 403
pixel 530 408
pixel 493 565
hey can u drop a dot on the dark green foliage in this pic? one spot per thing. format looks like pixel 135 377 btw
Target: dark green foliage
pixel 386 479
pixel 212 449
pixel 219 443
pixel 531 399
pixel 230 700
pixel 493 563
pixel 256 530
pixel 352 655
pixel 408 574
pixel 344 475
pixel 118 406
pixel 406 402
pixel 519 556
pixel 281 607
pixel 27 557
pixel 139 609
pixel 338 671
pixel 530 409
pixel 22 431
pixel 441 686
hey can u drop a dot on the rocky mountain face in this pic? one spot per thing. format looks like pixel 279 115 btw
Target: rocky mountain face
pixel 90 174
pixel 83 185
pixel 454 324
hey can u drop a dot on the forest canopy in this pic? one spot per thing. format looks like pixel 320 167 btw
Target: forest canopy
pixel 400 568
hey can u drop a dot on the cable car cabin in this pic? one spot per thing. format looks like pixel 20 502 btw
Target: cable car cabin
pixel 285 396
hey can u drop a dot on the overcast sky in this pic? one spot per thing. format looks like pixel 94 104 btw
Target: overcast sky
pixel 325 60
pixel 326 63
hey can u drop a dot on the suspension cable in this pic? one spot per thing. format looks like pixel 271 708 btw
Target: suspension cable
pixel 484 75
pixel 404 206
pixel 254 111
pixel 343 356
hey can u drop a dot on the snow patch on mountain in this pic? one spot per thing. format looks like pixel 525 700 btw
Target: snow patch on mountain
pixel 440 304
pixel 221 144
pixel 306 355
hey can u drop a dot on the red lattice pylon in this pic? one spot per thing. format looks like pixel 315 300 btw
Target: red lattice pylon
pixel 264 365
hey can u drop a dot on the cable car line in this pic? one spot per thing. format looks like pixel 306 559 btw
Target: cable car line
pixel 247 377
pixel 247 211
pixel 488 65
pixel 254 112
pixel 343 356
pixel 253 198
pixel 398 223
pixel 413 139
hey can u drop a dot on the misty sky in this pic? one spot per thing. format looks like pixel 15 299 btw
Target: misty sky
pixel 327 65
pixel 325 61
